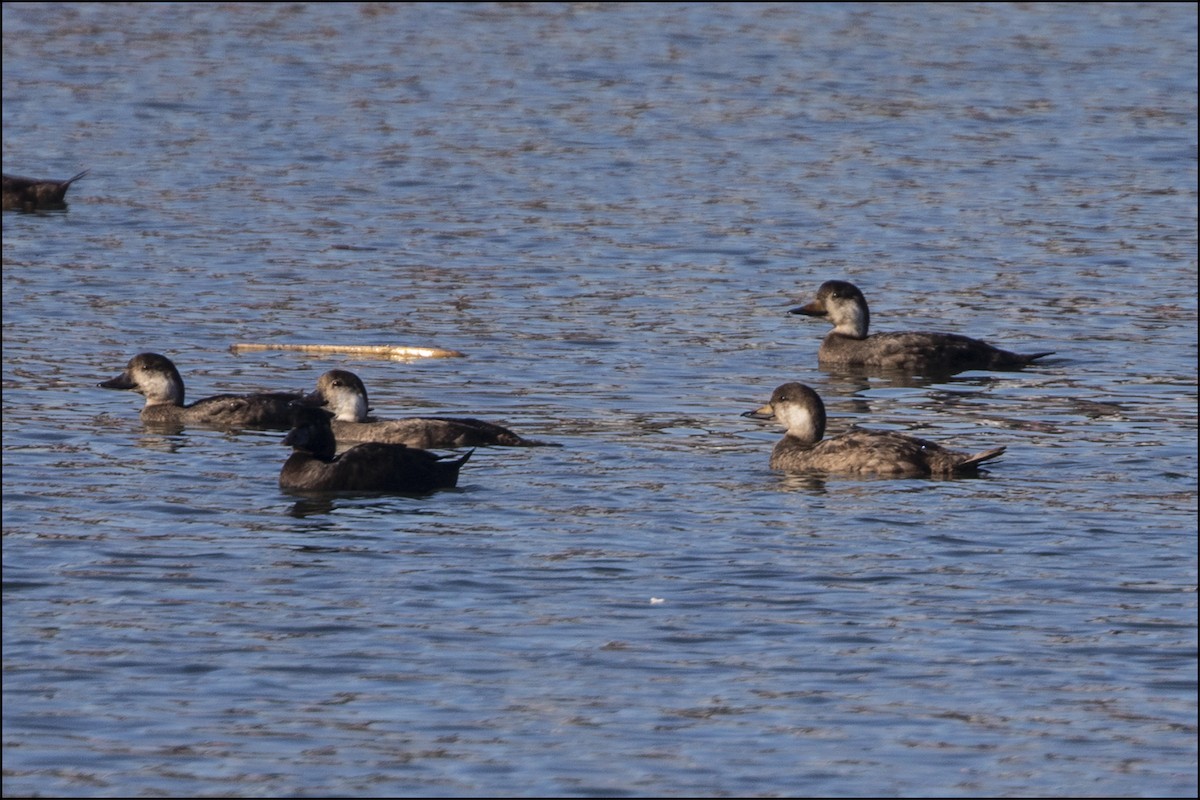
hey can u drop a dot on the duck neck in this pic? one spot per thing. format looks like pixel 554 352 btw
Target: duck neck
pixel 802 423
pixel 311 441
pixel 163 390
pixel 854 321
pixel 348 407
pixel 322 445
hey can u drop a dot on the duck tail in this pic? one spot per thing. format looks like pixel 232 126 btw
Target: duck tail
pixel 1029 359
pixel 445 470
pixel 979 458
pixel 536 443
pixel 69 181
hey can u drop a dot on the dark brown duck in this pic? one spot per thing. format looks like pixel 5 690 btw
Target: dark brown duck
pixel 156 378
pixel 370 467
pixel 344 394
pixel 859 451
pixel 35 194
pixel 849 345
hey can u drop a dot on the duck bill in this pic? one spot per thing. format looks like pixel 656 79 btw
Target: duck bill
pixel 814 309
pixel 120 382
pixel 766 412
pixel 313 400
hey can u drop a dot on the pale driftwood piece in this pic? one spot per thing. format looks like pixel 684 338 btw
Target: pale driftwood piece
pixel 394 352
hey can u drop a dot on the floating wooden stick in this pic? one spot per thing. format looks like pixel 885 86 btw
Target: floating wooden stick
pixel 398 352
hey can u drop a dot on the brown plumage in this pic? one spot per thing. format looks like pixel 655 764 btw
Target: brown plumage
pixel 156 378
pixel 859 451
pixel 343 393
pixel 370 467
pixel 849 345
pixel 33 194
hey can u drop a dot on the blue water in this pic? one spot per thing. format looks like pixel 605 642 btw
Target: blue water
pixel 609 209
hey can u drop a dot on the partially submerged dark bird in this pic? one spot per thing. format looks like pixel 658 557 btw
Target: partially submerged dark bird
pixel 344 394
pixel 34 194
pixel 155 377
pixel 369 467
pixel 849 345
pixel 858 451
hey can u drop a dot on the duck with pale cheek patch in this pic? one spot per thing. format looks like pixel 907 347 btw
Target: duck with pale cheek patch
pixel 849 345
pixel 859 451
pixel 344 394
pixel 156 378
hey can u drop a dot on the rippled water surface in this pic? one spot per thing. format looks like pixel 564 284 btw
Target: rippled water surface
pixel 609 209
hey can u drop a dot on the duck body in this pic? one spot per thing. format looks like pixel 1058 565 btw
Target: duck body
pixel 849 344
pixel 917 351
pixel 345 395
pixel 858 451
pixel 156 378
pixel 425 432
pixel 867 452
pixel 370 467
pixel 34 194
